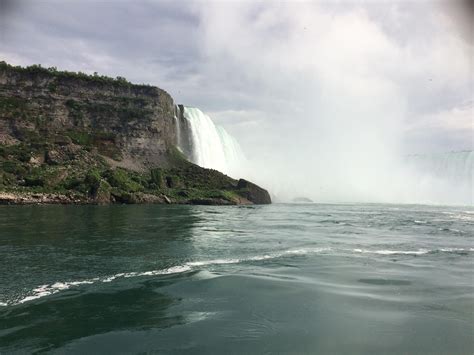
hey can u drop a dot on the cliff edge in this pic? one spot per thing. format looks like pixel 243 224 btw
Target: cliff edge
pixel 75 138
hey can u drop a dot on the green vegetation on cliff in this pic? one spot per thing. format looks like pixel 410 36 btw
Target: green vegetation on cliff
pixel 54 72
pixel 84 176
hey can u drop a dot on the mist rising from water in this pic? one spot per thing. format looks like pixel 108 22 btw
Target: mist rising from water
pixel 331 175
pixel 421 179
pixel 333 98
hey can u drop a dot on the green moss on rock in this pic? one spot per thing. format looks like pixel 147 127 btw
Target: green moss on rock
pixel 122 179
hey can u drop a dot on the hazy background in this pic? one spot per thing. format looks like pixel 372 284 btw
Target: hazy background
pixel 325 98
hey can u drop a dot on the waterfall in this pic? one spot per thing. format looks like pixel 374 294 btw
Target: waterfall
pixel 454 167
pixel 207 144
pixel 447 174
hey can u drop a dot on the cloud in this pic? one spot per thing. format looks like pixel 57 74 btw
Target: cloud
pixel 443 130
pixel 326 95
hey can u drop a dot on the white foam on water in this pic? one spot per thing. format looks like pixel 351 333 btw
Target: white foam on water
pixel 47 290
pixel 412 252
pixel 463 217
pixel 273 255
pixel 213 262
pixel 392 252
pixel 450 250
pixel 262 257
pixel 172 270
pixel 113 277
pixel 198 316
pixel 309 251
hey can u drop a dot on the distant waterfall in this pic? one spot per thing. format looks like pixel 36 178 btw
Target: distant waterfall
pixel 449 175
pixel 454 167
pixel 206 144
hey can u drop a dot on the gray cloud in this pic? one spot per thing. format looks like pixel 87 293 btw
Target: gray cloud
pixel 307 86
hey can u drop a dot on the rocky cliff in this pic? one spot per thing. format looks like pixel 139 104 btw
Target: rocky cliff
pixel 132 124
pixel 75 138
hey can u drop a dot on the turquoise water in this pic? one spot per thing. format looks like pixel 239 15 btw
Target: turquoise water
pixel 283 278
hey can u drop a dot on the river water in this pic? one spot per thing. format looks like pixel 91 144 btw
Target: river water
pixel 282 278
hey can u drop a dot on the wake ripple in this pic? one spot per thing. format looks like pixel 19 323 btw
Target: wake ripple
pixel 47 290
pixel 414 252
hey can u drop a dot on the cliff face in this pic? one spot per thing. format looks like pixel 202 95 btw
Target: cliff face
pixel 131 124
pixel 74 138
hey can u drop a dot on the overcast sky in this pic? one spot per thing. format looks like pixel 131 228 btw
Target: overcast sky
pixel 304 75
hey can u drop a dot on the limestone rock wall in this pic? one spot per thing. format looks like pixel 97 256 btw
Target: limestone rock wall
pixel 132 125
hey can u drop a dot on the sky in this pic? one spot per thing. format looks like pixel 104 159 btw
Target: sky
pixel 338 85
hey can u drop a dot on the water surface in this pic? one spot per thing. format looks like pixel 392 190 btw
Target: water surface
pixel 292 279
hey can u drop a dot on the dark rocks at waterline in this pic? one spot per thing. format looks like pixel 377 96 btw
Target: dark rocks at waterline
pixel 253 192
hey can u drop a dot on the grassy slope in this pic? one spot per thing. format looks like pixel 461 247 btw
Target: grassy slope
pixel 86 176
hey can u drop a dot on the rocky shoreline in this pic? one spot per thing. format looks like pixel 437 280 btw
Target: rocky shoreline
pixel 15 198
pixel 35 198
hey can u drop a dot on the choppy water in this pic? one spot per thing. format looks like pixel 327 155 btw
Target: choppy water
pixel 282 278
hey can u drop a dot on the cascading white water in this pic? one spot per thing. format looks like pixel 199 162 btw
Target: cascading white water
pixel 455 167
pixel 447 175
pixel 209 146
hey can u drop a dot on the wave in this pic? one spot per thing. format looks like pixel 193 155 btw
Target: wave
pixel 452 230
pixel 47 290
pixel 453 250
pixel 413 252
pixel 392 252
